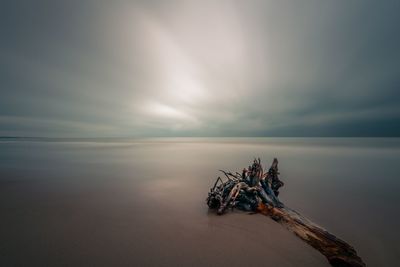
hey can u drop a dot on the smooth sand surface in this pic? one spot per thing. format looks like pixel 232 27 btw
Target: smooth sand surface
pixel 159 223
pixel 142 203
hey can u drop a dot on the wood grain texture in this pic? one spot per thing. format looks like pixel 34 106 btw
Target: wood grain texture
pixel 337 251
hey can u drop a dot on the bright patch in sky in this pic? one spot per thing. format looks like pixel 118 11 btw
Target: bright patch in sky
pixel 200 68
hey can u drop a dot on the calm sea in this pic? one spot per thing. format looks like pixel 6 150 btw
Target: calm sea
pixel 350 186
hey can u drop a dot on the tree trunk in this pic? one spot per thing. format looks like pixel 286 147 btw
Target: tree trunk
pixel 338 252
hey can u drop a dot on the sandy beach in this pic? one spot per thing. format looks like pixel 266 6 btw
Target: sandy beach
pixel 110 224
pixel 143 204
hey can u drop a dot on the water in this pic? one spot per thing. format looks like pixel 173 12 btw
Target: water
pixel 49 186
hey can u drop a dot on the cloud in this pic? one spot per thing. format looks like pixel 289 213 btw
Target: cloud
pixel 188 68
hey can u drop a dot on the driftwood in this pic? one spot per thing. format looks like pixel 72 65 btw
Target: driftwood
pixel 258 183
pixel 338 252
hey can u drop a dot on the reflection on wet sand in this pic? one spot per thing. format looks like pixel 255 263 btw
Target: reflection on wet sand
pixel 143 202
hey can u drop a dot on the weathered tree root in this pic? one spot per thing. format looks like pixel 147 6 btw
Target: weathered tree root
pixel 338 252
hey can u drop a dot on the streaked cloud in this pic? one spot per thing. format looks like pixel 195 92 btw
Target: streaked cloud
pixel 200 68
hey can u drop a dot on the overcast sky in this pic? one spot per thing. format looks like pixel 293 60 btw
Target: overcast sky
pixel 199 68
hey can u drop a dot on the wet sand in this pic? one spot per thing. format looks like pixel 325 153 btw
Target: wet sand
pixel 123 224
pixel 143 204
